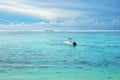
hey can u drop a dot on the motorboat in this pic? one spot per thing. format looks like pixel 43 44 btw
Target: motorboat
pixel 70 43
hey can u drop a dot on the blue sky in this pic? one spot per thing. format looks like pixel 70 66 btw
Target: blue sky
pixel 60 14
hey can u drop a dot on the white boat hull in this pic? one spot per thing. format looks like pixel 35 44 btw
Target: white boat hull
pixel 70 43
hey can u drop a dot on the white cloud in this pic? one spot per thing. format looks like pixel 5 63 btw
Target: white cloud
pixel 52 9
pixel 60 13
pixel 20 6
pixel 66 23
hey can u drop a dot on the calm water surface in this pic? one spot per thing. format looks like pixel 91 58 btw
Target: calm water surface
pixel 44 56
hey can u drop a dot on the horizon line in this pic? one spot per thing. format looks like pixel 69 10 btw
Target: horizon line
pixel 60 30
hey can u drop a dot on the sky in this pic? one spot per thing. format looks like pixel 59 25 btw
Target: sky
pixel 60 14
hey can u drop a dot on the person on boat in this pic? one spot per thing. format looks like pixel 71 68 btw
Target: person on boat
pixel 74 43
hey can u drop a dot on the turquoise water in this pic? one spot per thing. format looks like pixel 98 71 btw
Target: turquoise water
pixel 44 56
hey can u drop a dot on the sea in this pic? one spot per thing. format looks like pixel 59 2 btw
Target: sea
pixel 34 55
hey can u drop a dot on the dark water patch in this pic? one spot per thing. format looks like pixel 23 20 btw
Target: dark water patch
pixel 44 67
pixel 117 57
pixel 97 50
pixel 109 77
pixel 113 46
pixel 83 57
pixel 61 51
pixel 98 42
pixel 2 60
pixel 96 47
pixel 11 46
pixel 34 58
pixel 91 63
pixel 16 67
pixel 86 69
pixel 20 62
pixel 58 72
pixel 55 44
pixel 66 66
pixel 32 51
pixel 19 67
pixel 31 72
pixel 13 61
pixel 84 45
pixel 83 62
pixel 34 66
pixel 102 71
pixel 63 60
pixel 80 67
pixel 37 54
pixel 109 52
pixel 106 63
pixel 92 46
pixel 3 71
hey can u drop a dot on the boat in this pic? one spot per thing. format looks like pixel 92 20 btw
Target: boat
pixel 70 43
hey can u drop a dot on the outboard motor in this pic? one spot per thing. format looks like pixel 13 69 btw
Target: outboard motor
pixel 74 43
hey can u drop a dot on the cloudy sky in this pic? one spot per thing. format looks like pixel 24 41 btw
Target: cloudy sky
pixel 60 14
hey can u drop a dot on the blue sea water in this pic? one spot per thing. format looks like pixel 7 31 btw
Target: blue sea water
pixel 44 56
